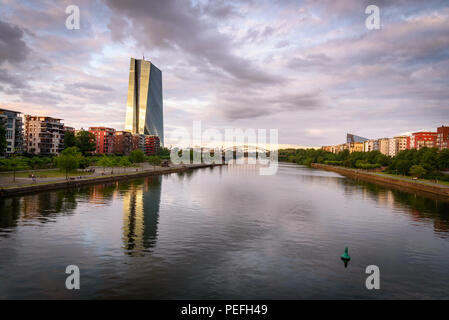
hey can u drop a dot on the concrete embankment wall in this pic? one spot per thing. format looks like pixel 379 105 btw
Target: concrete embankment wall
pixel 367 176
pixel 88 181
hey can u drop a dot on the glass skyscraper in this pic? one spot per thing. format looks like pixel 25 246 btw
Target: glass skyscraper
pixel 144 111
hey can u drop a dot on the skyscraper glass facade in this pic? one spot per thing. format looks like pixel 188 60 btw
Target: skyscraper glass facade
pixel 144 109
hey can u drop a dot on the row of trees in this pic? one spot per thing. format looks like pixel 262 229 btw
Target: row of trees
pixel 72 158
pixel 426 162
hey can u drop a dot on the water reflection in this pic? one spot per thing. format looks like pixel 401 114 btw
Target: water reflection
pixel 140 216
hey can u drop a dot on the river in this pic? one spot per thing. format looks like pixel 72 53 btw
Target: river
pixel 226 233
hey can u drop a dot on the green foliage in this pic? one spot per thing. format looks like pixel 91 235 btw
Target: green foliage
pixel 137 156
pixel 163 153
pixel 429 159
pixel 417 171
pixel 154 160
pixel 85 141
pixel 69 159
pixel 69 139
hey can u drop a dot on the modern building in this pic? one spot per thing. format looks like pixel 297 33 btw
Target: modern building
pixel 104 139
pixel 12 122
pixel 442 137
pixel 351 138
pixel 420 140
pixel 44 135
pixel 123 142
pixel 144 109
pixel 383 145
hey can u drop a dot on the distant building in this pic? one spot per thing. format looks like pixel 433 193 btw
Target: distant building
pixel 104 139
pixel 123 142
pixel 151 145
pixel 44 135
pixel 355 147
pixel 442 137
pixel 144 110
pixel 393 147
pixel 383 145
pixel 351 138
pixel 402 143
pixel 420 140
pixel 70 129
pixel 370 145
pixel 12 122
pixel 328 148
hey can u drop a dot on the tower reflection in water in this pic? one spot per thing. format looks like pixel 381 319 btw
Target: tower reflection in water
pixel 141 215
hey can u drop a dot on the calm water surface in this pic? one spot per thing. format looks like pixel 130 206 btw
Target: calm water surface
pixel 225 233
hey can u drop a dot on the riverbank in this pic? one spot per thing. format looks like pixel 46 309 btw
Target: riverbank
pixel 412 185
pixel 54 185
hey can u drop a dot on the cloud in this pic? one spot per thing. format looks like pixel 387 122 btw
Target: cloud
pixel 12 47
pixel 178 26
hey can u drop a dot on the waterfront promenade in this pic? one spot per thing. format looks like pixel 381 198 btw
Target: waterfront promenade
pixel 25 185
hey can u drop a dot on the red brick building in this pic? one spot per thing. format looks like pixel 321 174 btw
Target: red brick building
pixel 123 142
pixel 442 138
pixel 104 138
pixel 420 140
pixel 151 145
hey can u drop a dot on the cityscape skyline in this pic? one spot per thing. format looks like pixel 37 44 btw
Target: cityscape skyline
pixel 312 69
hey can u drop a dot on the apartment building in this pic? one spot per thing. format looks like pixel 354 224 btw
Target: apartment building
pixel 123 142
pixel 104 139
pixel 420 140
pixel 442 138
pixel 43 135
pixel 12 122
pixel 384 145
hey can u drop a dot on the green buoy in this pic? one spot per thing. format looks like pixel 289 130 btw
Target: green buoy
pixel 345 256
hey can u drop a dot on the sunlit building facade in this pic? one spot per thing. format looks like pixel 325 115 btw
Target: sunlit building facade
pixel 144 109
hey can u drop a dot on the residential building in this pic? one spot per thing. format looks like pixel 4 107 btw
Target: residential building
pixel 383 145
pixel 420 140
pixel 144 109
pixel 402 143
pixel 393 146
pixel 123 142
pixel 104 139
pixel 43 135
pixel 442 137
pixel 12 122
pixel 356 147
pixel 70 129
pixel 370 145
pixel 151 145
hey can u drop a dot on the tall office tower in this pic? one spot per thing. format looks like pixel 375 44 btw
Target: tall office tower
pixel 144 112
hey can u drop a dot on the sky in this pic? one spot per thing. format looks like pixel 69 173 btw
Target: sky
pixel 310 69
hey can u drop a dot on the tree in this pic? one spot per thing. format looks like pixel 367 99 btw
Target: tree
pixel 154 161
pixel 105 162
pixel 85 141
pixel 417 171
pixel 15 164
pixel 69 159
pixel 2 139
pixel 69 139
pixel 403 166
pixel 137 156
pixel 124 162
